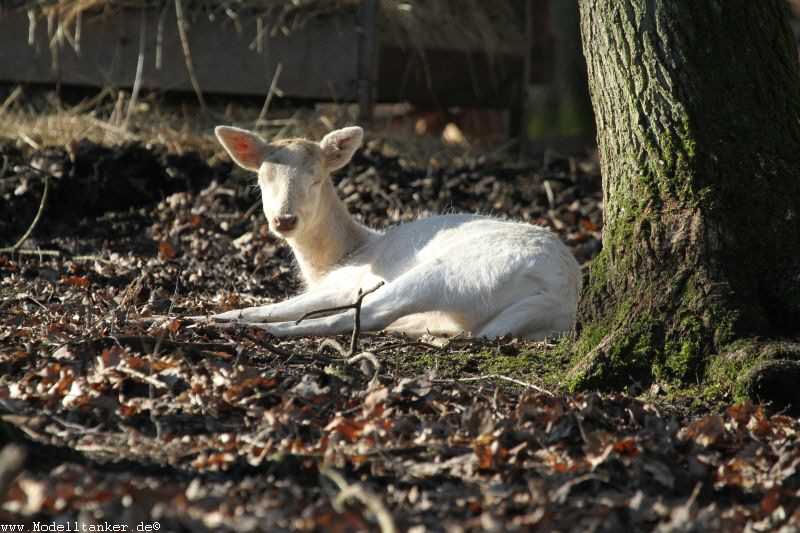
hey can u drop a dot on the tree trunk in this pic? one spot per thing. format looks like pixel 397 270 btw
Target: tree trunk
pixel 697 106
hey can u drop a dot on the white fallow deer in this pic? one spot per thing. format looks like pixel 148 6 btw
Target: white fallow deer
pixel 450 274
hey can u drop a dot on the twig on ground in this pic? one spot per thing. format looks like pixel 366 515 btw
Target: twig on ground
pixel 357 491
pixel 357 320
pixel 153 382
pixel 352 359
pixel 409 344
pixel 148 319
pixel 72 425
pixel 153 417
pixel 14 247
pixel 269 347
pixel 333 343
pixel 37 302
pixel 369 356
pixel 89 257
pixel 142 344
pixel 32 251
pixel 351 356
pixel 57 253
pixel 95 448
pixel 495 376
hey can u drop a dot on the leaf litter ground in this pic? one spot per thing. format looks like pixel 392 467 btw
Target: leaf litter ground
pixel 203 429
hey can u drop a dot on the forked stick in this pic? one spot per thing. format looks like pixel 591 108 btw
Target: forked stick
pixel 357 319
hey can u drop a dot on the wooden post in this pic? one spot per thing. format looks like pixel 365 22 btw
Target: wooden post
pixel 367 58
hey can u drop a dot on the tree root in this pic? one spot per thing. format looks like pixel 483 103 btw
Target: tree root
pixel 615 363
pixel 773 382
pixel 763 371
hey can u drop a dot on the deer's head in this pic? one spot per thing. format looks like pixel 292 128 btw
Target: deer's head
pixel 292 174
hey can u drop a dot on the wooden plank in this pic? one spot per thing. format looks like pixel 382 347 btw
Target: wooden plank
pixel 442 78
pixel 327 60
pixel 319 62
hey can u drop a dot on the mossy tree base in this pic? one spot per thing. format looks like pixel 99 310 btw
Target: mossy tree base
pixel 696 106
pixel 764 372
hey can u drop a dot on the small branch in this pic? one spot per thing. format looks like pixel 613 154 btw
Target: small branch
pixel 57 253
pixel 357 324
pixel 272 89
pixel 151 392
pixel 38 216
pixel 137 80
pixel 29 251
pixel 369 356
pixel 353 305
pixel 333 343
pixel 144 344
pixel 357 319
pixel 353 359
pixel 264 344
pixel 151 319
pixel 187 54
pixel 496 376
pixel 160 35
pixel 144 377
pixel 409 344
pixel 358 492
pixel 90 257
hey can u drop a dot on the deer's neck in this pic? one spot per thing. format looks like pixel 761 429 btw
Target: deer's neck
pixel 328 241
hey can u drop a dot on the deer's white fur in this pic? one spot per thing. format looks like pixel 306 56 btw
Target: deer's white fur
pixel 444 275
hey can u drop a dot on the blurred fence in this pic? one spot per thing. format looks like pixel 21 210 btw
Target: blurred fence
pixel 431 54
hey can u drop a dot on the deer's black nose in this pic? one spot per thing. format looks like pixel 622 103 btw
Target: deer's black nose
pixel 284 222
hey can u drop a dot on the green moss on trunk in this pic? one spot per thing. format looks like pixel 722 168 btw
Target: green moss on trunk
pixel 696 106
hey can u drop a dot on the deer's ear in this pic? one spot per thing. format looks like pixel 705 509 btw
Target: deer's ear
pixel 340 145
pixel 246 148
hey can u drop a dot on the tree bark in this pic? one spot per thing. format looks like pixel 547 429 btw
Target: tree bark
pixel 697 106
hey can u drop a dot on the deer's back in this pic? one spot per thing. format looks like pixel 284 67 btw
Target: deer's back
pixel 467 246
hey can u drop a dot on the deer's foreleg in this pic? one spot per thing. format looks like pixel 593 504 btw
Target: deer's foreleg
pixel 290 309
pixel 406 295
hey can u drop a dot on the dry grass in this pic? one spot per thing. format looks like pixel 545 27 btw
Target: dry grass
pixel 100 119
pixel 36 119
pixel 113 117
